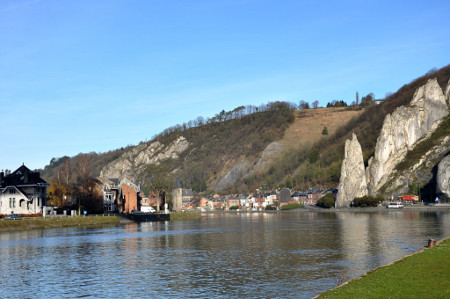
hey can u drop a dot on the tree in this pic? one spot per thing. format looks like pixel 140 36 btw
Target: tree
pixel 83 189
pixel 325 130
pixel 314 155
pixel 65 172
pixel 56 194
pixel 158 180
pixel 303 105
pixel 83 168
pixel 327 201
pixel 315 104
pixel 368 99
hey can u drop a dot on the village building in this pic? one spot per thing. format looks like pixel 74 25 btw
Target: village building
pixel 181 198
pixel 119 196
pixel 130 199
pixel 233 201
pixel 284 197
pixel 313 195
pixel 22 192
pixel 111 194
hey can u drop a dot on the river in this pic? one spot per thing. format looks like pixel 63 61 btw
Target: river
pixel 296 254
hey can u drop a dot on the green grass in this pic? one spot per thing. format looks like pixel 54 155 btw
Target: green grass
pixel 422 275
pixel 41 223
pixel 185 215
pixel 292 206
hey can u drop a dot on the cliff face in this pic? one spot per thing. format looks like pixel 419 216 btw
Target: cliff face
pixel 353 180
pixel 132 163
pixel 403 129
pixel 401 132
pixel 443 179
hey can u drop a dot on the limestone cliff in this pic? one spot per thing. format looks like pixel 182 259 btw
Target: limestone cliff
pixel 243 167
pixel 353 180
pixel 447 92
pixel 403 129
pixel 272 151
pixel 237 171
pixel 443 179
pixel 135 161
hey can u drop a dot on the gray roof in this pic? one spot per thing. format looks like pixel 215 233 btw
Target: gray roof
pixel 187 192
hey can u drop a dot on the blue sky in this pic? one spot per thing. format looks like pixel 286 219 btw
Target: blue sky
pixel 92 76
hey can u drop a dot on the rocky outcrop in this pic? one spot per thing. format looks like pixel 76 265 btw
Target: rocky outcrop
pixel 272 151
pixel 135 161
pixel 403 129
pixel 447 92
pixel 443 179
pixel 237 171
pixel 421 173
pixel 353 180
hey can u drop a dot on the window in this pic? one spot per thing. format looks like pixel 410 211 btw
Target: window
pixel 12 202
pixel 12 191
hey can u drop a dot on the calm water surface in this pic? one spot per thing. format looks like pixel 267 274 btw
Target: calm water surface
pixel 230 255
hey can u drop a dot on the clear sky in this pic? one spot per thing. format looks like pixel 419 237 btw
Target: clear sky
pixel 92 76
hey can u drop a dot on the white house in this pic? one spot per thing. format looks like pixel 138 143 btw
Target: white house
pixel 22 192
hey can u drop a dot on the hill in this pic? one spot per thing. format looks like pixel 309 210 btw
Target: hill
pixel 250 147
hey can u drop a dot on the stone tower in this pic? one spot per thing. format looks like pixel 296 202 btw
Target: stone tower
pixel 177 196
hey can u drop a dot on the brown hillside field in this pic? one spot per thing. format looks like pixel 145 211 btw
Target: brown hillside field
pixel 308 125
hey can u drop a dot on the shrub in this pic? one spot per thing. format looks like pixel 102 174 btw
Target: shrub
pixel 366 201
pixel 326 202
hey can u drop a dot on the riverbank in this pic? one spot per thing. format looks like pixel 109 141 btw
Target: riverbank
pixel 424 274
pixel 54 222
pixel 421 208
pixel 185 215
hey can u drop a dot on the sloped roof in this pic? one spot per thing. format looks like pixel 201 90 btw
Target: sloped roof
pixel 187 192
pixel 23 176
pixel 178 183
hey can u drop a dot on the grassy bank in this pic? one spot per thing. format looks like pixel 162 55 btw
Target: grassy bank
pixel 185 215
pixel 41 223
pixel 292 206
pixel 422 275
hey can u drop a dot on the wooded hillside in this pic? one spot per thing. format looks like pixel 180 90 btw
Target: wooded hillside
pixel 311 143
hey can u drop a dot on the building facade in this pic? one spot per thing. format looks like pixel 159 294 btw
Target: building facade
pixel 22 192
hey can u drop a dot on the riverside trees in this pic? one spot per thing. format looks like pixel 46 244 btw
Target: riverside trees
pixel 73 186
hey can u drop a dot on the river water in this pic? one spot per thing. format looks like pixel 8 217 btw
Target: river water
pixel 296 254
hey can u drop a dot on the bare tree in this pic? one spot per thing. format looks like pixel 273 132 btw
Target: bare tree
pixel 65 172
pixel 159 180
pixel 83 168
pixel 315 104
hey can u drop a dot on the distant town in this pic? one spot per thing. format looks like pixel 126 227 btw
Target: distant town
pixel 24 192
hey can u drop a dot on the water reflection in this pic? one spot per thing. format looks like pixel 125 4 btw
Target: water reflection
pixel 295 255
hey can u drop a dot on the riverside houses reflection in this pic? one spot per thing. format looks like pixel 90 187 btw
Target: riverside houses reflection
pixel 296 254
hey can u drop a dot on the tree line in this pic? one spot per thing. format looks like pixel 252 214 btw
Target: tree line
pixel 73 187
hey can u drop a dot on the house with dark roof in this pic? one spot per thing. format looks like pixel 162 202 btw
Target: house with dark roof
pixel 22 192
